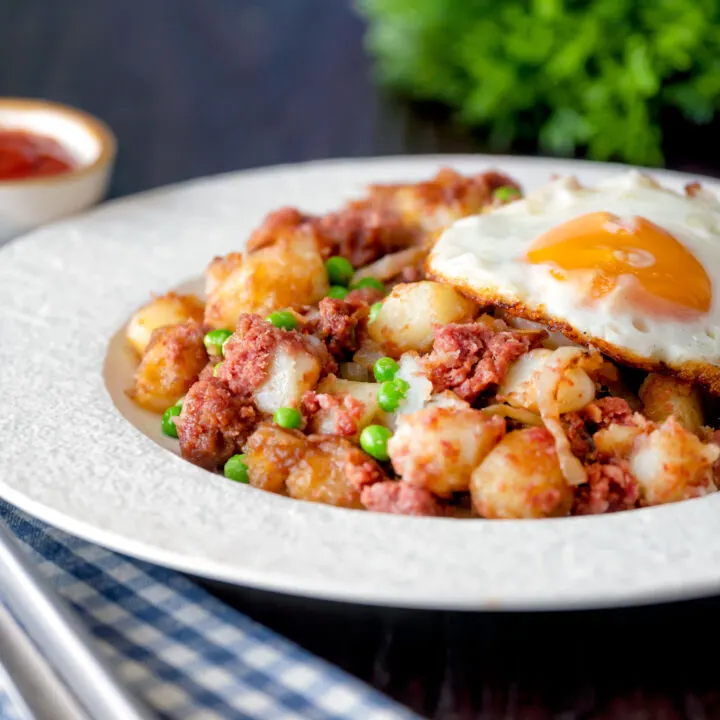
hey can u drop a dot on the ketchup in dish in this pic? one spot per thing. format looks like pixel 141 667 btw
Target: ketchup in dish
pixel 26 155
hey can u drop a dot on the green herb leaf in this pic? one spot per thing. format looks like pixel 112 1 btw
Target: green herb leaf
pixel 576 77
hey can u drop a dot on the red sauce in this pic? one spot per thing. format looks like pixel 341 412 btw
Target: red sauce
pixel 26 155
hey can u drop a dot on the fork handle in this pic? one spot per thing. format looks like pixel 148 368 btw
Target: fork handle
pixel 61 638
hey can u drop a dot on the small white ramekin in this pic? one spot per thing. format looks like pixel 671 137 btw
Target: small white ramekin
pixel 27 203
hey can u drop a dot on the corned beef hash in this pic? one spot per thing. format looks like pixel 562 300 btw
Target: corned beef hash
pixel 452 348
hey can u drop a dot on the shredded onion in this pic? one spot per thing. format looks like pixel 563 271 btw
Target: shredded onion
pixel 493 323
pixel 548 383
pixel 519 414
pixel 354 371
pixel 389 266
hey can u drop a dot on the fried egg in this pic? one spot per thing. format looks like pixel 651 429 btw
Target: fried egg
pixel 627 266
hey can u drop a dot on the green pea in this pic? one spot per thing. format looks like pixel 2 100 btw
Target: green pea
pixel 374 440
pixel 402 385
pixel 385 368
pixel 236 469
pixel 368 282
pixel 287 417
pixel 505 193
pixel 375 309
pixel 391 394
pixel 168 423
pixel 283 319
pixel 215 341
pixel 339 270
pixel 216 369
pixel 338 292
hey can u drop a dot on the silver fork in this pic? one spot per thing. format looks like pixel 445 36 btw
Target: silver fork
pixel 35 691
pixel 60 671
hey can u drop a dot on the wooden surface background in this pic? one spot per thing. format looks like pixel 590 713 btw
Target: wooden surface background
pixel 195 87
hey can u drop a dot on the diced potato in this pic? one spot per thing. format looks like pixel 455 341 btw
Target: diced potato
pixel 321 474
pixel 281 225
pixel 219 270
pixel 438 448
pixel 447 399
pixel 169 309
pixel 326 421
pixel 293 371
pixel 521 478
pixel 663 396
pixel 437 203
pixel 672 464
pixel 365 392
pixel 274 277
pixel 616 440
pixel 519 388
pixel 270 455
pixel 409 313
pixel 172 362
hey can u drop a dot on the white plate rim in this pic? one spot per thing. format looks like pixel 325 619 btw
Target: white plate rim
pixel 645 556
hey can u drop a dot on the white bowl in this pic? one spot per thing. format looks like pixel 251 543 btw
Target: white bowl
pixel 30 202
pixel 76 452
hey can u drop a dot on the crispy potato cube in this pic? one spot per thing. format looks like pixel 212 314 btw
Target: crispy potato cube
pixel 672 464
pixel 365 392
pixel 616 440
pixel 438 448
pixel 321 474
pixel 409 313
pixel 219 269
pixel 327 420
pixel 521 478
pixel 274 277
pixel 168 309
pixel 172 362
pixel 270 455
pixel 663 396
pixel 437 203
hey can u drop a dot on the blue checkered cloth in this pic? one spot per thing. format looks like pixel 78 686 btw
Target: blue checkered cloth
pixel 185 653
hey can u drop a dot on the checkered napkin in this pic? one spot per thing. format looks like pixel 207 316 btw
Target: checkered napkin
pixel 186 654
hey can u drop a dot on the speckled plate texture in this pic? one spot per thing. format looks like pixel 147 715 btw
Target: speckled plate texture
pixel 76 453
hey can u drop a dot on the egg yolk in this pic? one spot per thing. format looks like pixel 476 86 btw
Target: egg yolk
pixel 665 277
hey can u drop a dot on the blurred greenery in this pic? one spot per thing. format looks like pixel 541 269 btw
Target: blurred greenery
pixel 575 76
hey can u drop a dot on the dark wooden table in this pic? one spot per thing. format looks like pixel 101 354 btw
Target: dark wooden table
pixel 196 87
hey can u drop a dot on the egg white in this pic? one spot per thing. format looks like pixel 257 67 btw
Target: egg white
pixel 484 255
